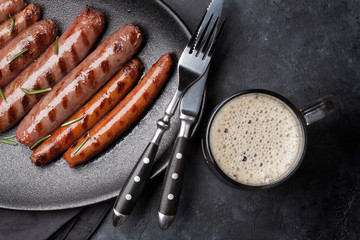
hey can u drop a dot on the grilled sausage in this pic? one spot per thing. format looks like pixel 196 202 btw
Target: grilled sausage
pixel 36 39
pixel 93 111
pixel 73 45
pixel 10 7
pixel 23 19
pixel 123 115
pixel 80 84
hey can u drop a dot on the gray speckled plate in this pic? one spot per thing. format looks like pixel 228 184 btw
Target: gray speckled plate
pixel 24 186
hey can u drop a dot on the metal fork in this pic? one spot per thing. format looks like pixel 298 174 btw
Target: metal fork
pixel 193 63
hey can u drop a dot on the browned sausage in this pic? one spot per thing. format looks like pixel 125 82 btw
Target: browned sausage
pixel 23 19
pixel 80 84
pixel 123 115
pixel 73 45
pixel 10 7
pixel 36 39
pixel 93 111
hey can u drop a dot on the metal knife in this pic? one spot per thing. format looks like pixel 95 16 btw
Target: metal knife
pixel 171 189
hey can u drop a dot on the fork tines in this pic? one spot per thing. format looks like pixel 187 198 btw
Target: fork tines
pixel 203 40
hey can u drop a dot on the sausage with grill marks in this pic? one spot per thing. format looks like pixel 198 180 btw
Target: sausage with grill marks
pixel 90 114
pixel 10 7
pixel 35 39
pixel 80 84
pixel 73 45
pixel 123 115
pixel 23 19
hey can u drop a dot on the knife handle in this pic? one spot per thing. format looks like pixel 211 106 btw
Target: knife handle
pixel 172 185
pixel 174 176
pixel 136 181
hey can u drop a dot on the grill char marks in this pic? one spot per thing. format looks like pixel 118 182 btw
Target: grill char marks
pixel 91 81
pixel 117 46
pixel 52 115
pixel 84 124
pixel 50 78
pixel 97 113
pixel 105 66
pixel 102 104
pixel 78 90
pixel 64 102
pixel 40 39
pixel 12 114
pixel 39 127
pixel 120 86
pixel 74 54
pixel 69 137
pixel 62 65
pixel 37 87
pixel 25 102
pixel 84 39
pixel 53 149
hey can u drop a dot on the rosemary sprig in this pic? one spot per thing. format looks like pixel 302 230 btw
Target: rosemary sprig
pixel 40 141
pixel 9 137
pixel 80 146
pixel 8 142
pixel 12 24
pixel 17 55
pixel 2 95
pixel 35 91
pixel 56 46
pixel 72 121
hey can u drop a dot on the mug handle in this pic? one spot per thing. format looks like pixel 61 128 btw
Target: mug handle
pixel 318 109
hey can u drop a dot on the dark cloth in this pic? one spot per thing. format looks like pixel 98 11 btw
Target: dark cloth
pixel 78 223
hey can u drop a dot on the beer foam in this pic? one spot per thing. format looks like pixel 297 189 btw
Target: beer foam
pixel 256 139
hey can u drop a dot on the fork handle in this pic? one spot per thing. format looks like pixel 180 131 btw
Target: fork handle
pixel 136 181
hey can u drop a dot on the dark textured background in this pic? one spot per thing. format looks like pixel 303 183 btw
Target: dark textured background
pixel 302 50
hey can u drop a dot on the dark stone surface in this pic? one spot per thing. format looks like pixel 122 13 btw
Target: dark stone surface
pixel 302 50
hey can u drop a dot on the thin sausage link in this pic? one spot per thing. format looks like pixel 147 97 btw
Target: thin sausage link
pixel 123 115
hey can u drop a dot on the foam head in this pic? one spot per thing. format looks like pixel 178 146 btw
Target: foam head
pixel 256 139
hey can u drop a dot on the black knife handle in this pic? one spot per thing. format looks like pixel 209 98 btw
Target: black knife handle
pixel 171 189
pixel 136 181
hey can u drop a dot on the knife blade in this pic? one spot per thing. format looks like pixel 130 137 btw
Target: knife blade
pixel 191 102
